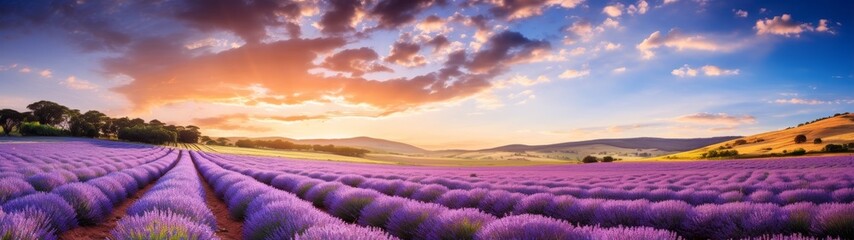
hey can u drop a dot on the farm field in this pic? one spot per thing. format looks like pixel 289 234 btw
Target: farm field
pixel 96 189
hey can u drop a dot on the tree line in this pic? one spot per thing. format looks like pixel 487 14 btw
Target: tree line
pixel 47 118
pixel 287 145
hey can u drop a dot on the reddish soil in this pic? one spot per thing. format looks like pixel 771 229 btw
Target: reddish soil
pixel 102 230
pixel 229 228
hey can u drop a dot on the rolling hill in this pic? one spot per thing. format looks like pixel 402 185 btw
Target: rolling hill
pixel 837 130
pixel 373 144
pixel 663 144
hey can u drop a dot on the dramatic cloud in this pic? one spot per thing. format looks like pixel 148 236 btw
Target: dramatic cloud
pixel 341 16
pixel 394 13
pixel 514 9
pixel 781 25
pixel 572 74
pixel 237 121
pixel 78 84
pixel 247 19
pixel 439 43
pixel 406 54
pixel 708 70
pixel 506 48
pixel 677 40
pixel 431 24
pixel 717 118
pixel 355 61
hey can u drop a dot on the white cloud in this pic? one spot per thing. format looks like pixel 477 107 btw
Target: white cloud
pixel 9 67
pixel 669 1
pixel 571 74
pixel 614 10
pixel 577 51
pixel 717 118
pixel 522 80
pixel 781 25
pixel 609 46
pixel 804 101
pixel 46 73
pixel 822 27
pixel 25 70
pixel 78 84
pixel 611 23
pixel 640 8
pixel 679 41
pixel 619 70
pixel 708 70
pixel 740 13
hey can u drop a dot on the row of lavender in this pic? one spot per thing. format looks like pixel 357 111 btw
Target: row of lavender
pixel 26 159
pixel 270 213
pixel 44 215
pixel 733 219
pixel 44 173
pixel 174 208
pixel 830 185
pixel 403 218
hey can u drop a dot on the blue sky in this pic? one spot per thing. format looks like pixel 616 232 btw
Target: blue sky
pixel 549 71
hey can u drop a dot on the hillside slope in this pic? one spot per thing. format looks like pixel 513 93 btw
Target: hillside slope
pixel 373 144
pixel 836 130
pixel 664 144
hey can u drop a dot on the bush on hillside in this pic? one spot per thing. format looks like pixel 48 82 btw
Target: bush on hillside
pixel 800 138
pixel 835 148
pixel 589 159
pixel 36 129
pixel 147 134
pixel 817 141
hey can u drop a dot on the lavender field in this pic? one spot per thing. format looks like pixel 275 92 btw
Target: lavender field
pixel 49 189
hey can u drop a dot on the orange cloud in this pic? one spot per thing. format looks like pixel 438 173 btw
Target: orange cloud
pixel 717 118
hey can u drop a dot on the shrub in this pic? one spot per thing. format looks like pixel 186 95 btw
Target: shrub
pixel 111 188
pixel 533 204
pixel 404 222
pixel 175 202
pixel 835 148
pixel 342 232
pixel 158 225
pixel 348 204
pixel 261 201
pixel 800 138
pixel 377 213
pixel 59 212
pixel 835 220
pixel 843 195
pixel 618 212
pixel 799 217
pixel 147 134
pixel 11 188
pixel 29 223
pixel 528 226
pixel 284 220
pixel 91 205
pixel 454 224
pixel 739 142
pixel 804 195
pixel 319 192
pixel 36 129
pixel 630 233
pixel 669 215
pixel 45 182
pixel 816 141
pixel 240 200
pixel 499 202
pixel 798 152
pixel 351 180
pixel 607 159
pixel 589 159
pixel 429 193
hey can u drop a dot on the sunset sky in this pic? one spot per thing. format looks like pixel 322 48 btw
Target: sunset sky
pixel 437 74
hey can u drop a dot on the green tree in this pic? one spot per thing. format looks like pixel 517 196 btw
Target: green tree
pixel 222 141
pixel 607 159
pixel 47 112
pixel 10 119
pixel 589 159
pixel 800 138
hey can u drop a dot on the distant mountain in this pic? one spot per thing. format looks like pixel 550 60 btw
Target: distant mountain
pixel 664 144
pixel 373 144
pixel 838 129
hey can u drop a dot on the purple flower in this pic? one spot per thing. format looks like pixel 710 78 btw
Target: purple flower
pixel 404 221
pixel 283 220
pixel 630 233
pixel 799 217
pixel 529 227
pixel 11 188
pixel 407 190
pixel 59 212
pixel 804 195
pixel 844 195
pixel 347 204
pixel 303 186
pixel 29 223
pixel 261 201
pixel 175 202
pixel 377 213
pixel 499 202
pixel 835 220
pixel 429 193
pixel 533 204
pixel 762 196
pixel 91 205
pixel 387 187
pixel 111 188
pixel 619 212
pixel 351 180
pixel 341 232
pixel 454 224
pixel 45 182
pixel 239 201
pixel 160 225
pixel 669 214
pixel 317 194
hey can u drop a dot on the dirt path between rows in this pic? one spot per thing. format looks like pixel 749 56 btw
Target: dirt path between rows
pixel 102 230
pixel 229 228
